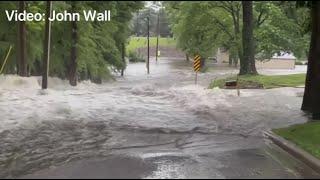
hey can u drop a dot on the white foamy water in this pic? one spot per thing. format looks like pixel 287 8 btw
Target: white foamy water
pixel 43 128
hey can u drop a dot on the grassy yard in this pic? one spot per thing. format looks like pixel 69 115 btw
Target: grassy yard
pixel 306 136
pixel 266 82
pixel 137 42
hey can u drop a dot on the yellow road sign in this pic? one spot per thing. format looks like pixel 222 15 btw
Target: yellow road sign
pixel 196 63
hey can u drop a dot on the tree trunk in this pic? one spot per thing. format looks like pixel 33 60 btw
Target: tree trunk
pixel 249 66
pixel 202 63
pixel 311 98
pixel 74 42
pixel 239 50
pixel 230 60
pixel 235 61
pixel 123 49
pixel 22 43
pixel 187 57
pixel 46 48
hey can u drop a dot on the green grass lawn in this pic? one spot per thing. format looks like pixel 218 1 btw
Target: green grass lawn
pixel 138 42
pixel 267 82
pixel 306 136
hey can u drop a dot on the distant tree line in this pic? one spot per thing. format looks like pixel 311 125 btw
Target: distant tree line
pixel 139 23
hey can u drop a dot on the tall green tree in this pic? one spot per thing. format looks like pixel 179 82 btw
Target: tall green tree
pixel 274 31
pixel 311 98
pixel 47 46
pixel 93 54
pixel 22 43
pixel 247 63
pixel 74 43
pixel 8 36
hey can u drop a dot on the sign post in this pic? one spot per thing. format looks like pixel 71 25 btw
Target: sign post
pixel 196 66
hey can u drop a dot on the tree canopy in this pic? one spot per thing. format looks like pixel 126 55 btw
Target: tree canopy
pixel 202 27
pixel 99 43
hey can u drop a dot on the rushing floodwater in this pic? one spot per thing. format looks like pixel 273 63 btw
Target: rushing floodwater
pixel 41 129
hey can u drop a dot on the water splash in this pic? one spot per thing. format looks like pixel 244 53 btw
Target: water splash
pixel 39 129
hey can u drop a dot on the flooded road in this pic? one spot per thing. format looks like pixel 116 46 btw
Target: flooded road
pixel 145 126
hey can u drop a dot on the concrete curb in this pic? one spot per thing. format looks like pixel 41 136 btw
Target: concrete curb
pixel 294 150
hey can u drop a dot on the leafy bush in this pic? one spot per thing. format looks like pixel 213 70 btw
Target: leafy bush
pixel 299 63
pixel 204 69
pixel 135 57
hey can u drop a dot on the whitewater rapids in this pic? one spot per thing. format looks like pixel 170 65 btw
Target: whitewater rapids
pixel 43 128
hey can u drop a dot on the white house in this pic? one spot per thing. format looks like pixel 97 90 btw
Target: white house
pixel 282 61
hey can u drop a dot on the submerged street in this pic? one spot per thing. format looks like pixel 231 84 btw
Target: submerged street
pixel 160 125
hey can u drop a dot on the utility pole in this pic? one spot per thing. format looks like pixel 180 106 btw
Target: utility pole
pixel 46 50
pixel 137 24
pixel 158 32
pixel 148 61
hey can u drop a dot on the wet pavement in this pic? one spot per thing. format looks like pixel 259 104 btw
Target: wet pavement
pixel 146 126
pixel 199 161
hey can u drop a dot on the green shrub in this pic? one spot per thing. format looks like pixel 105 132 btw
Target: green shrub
pixel 204 69
pixel 299 63
pixel 135 57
